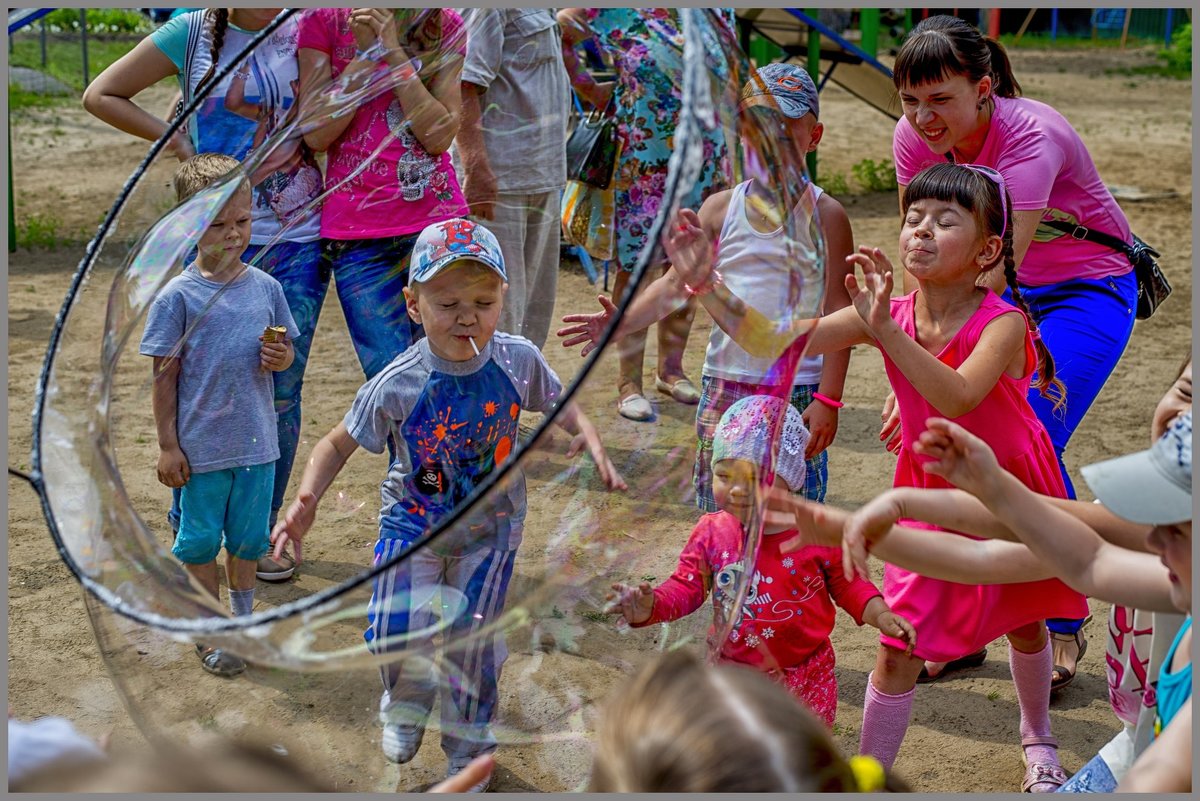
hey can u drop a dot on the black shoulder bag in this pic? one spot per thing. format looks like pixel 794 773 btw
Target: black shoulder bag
pixel 1153 287
pixel 592 148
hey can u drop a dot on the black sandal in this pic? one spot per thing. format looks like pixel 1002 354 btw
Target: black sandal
pixel 218 662
pixel 1068 676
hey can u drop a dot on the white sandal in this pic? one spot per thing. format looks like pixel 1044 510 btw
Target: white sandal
pixel 635 407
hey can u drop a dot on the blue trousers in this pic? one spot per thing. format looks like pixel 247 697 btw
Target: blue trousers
pixel 460 596
pixel 1085 325
pixel 298 267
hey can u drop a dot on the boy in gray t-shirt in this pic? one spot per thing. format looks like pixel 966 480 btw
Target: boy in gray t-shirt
pixel 451 403
pixel 214 396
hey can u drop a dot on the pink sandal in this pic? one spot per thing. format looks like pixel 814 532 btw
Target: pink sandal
pixel 1041 772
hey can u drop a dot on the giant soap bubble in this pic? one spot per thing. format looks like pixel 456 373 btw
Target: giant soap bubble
pixel 314 682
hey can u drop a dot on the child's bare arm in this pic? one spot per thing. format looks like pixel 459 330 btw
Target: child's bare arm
pixel 953 392
pixel 173 468
pixel 1077 554
pixel 878 614
pixel 820 417
pixel 575 422
pixel 328 458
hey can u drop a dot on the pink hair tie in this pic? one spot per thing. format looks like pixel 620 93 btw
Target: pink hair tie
pixel 1037 335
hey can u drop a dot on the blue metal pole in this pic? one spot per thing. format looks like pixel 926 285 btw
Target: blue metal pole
pixel 1167 35
pixel 1053 24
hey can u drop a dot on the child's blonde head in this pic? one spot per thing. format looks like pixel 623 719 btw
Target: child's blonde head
pixel 981 192
pixel 202 171
pixel 687 727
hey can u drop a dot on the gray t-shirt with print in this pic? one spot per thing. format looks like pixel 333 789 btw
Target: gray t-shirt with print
pixel 226 406
pixel 453 423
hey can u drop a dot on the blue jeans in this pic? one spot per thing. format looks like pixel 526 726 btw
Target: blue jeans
pixel 370 275
pixel 1086 325
pixel 299 268
pixel 1094 777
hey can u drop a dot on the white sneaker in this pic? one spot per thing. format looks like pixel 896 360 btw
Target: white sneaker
pixel 400 742
pixel 458 765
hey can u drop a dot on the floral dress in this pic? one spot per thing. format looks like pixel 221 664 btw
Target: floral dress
pixel 646 48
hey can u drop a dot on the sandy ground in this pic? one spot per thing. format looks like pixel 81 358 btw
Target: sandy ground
pixel 964 731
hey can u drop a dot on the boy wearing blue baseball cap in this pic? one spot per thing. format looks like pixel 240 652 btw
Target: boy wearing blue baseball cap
pixel 451 404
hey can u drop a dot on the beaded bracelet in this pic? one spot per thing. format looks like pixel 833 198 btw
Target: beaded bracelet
pixel 714 281
pixel 828 401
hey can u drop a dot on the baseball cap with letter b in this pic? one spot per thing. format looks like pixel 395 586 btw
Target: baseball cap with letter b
pixel 446 242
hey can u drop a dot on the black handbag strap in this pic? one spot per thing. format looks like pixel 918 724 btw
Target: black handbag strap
pixel 1100 238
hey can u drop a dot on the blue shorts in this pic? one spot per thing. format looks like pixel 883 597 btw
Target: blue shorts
pixel 225 507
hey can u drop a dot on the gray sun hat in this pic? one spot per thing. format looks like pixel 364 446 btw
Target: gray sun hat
pixel 744 433
pixel 790 85
pixel 1154 486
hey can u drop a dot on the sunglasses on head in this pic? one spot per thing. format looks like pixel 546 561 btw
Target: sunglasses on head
pixel 998 179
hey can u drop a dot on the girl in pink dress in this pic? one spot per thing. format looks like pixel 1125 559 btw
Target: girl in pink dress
pixel 952 350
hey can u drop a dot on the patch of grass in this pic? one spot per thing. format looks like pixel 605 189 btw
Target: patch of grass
pixel 650 579
pixel 835 184
pixel 557 613
pixel 40 230
pixel 100 20
pixel 20 100
pixel 875 176
pixel 596 616
pixel 994 695
pixel 64 56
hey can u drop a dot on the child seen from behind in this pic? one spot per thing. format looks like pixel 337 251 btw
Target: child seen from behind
pixel 757 254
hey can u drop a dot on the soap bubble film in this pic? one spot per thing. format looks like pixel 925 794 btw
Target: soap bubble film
pixel 538 650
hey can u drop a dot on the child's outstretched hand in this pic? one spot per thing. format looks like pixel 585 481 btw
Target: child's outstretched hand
pixel 816 523
pixel 173 468
pixel 295 524
pixel 634 603
pixel 864 528
pixel 688 248
pixel 893 625
pixel 588 328
pixel 958 456
pixel 588 438
pixel 872 299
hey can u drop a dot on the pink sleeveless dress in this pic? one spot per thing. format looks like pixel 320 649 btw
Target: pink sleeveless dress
pixel 952 619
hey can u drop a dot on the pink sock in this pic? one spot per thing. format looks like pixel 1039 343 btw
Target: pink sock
pixel 885 721
pixel 1031 677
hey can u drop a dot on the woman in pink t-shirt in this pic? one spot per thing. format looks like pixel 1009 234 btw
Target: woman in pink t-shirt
pixel 388 172
pixel 961 103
